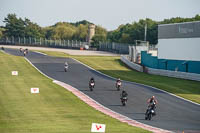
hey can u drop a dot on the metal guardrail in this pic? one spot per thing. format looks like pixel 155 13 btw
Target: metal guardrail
pixel 168 73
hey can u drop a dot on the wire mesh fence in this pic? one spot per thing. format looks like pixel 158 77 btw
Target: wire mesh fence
pixel 71 44
pixel 119 48
pixel 114 47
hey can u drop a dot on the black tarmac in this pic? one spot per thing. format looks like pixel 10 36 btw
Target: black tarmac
pixel 173 113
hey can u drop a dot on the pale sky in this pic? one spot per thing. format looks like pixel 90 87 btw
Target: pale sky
pixel 106 13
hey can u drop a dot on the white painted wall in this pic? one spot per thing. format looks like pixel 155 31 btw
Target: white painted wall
pixel 179 49
pixel 141 48
pixel 153 52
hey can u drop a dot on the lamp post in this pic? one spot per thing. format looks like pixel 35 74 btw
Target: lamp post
pixel 145 32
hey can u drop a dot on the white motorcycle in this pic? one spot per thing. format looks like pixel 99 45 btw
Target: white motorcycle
pixel 91 86
pixel 118 85
pixel 66 68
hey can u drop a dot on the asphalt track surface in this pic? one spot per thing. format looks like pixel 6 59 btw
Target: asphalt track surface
pixel 173 113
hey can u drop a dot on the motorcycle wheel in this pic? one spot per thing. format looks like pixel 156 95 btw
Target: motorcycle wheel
pixel 146 117
pixel 150 116
pixel 124 103
pixel 118 88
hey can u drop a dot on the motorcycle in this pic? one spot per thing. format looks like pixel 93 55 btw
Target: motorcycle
pixel 26 50
pixel 124 100
pixel 25 53
pixel 65 68
pixel 118 85
pixel 91 86
pixel 150 111
pixel 21 50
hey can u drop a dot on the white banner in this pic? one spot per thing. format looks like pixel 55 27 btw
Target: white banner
pixel 98 128
pixel 15 73
pixel 34 90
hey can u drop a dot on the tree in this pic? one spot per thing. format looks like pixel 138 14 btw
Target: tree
pixel 48 32
pixel 98 38
pixel 1 32
pixel 33 30
pixel 125 38
pixel 63 32
pixel 83 22
pixel 14 26
pixel 18 27
pixel 81 32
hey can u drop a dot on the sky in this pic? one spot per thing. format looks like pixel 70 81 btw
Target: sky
pixel 106 13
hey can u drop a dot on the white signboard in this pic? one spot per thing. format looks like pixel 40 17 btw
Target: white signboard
pixel 34 90
pixel 100 128
pixel 15 73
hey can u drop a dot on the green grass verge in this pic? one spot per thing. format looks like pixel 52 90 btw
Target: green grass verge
pixel 53 110
pixel 114 67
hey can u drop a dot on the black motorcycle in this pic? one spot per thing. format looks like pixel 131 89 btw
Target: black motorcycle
pixel 118 85
pixel 150 111
pixel 91 86
pixel 124 100
pixel 26 50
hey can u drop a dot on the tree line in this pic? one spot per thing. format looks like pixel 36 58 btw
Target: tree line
pixel 128 33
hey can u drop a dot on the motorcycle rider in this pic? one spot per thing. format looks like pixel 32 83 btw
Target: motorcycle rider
pixel 151 102
pixel 26 50
pixel 124 94
pixel 92 80
pixel 66 66
pixel 123 98
pixel 118 81
pixel 20 49
pixel 90 84
pixel 25 53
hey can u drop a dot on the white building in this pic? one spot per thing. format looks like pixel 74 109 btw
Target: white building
pixel 179 41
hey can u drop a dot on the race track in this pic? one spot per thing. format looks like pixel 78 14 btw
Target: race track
pixel 173 113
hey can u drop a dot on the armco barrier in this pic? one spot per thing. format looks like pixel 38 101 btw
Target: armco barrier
pixel 182 75
pixel 132 65
pixel 175 74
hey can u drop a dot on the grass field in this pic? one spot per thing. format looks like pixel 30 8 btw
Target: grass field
pixel 53 110
pixel 114 67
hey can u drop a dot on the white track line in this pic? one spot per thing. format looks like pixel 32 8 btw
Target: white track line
pixel 39 70
pixel 39 52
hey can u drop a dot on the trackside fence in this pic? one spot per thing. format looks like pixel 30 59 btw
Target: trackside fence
pixel 70 44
